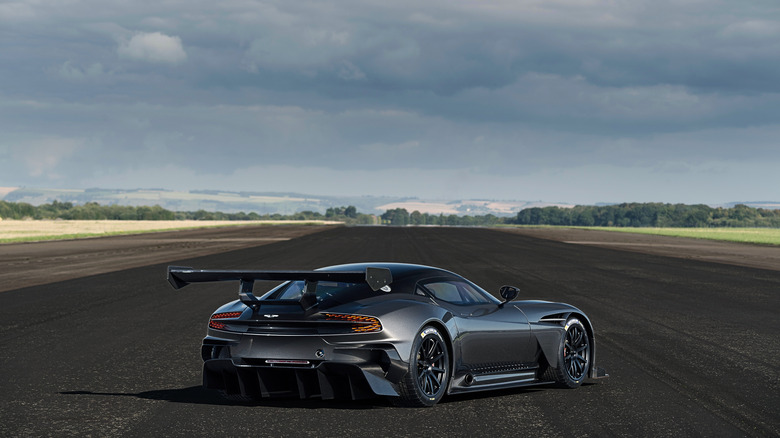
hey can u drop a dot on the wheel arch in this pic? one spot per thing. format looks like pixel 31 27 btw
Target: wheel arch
pixel 446 335
pixel 549 344
pixel 585 321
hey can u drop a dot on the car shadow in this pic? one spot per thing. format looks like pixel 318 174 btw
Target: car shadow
pixel 199 395
pixel 464 397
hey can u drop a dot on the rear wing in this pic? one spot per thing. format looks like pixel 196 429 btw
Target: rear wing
pixel 180 276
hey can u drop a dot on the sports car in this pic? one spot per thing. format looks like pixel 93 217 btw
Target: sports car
pixel 410 332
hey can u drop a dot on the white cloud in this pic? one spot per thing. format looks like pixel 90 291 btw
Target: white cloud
pixel 153 47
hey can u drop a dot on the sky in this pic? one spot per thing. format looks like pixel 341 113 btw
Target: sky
pixel 576 101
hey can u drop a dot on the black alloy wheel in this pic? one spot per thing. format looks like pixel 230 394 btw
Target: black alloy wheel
pixel 429 371
pixel 431 365
pixel 576 350
pixel 574 356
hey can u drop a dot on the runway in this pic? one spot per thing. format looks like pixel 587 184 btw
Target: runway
pixel 692 347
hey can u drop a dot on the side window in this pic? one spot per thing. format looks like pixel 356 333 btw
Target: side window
pixel 472 295
pixel 445 291
pixel 455 292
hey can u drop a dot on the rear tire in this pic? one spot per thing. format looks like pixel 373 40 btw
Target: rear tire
pixel 428 375
pixel 573 355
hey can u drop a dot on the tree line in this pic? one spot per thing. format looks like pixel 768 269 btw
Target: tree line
pixel 95 211
pixel 651 215
pixel 621 215
pixel 655 215
pixel 402 217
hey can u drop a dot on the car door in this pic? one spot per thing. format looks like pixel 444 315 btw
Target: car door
pixel 489 335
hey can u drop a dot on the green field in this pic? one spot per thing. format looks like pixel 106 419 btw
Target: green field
pixel 764 236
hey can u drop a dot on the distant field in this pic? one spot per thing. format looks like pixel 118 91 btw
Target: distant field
pixel 765 236
pixel 36 230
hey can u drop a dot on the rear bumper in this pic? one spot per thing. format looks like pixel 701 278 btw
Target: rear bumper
pixel 327 381
pixel 352 371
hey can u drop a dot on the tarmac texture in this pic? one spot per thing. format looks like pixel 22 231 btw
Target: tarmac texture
pixel 31 264
pixel 691 346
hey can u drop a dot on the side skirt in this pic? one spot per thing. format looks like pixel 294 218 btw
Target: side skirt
pixel 471 382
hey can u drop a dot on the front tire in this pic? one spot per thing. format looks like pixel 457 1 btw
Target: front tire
pixel 573 355
pixel 428 376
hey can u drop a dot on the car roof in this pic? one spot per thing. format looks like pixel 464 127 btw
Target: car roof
pixel 400 271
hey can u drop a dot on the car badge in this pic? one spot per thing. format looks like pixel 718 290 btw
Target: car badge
pixel 268 315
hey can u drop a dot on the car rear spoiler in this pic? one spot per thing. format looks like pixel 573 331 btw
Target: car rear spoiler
pixel 180 276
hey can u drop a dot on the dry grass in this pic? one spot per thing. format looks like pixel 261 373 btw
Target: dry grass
pixel 34 230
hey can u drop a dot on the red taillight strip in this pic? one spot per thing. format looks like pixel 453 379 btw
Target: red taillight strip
pixel 362 324
pixel 217 325
pixel 224 315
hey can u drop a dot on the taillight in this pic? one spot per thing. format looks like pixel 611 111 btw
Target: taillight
pixel 221 325
pixel 217 325
pixel 226 315
pixel 360 323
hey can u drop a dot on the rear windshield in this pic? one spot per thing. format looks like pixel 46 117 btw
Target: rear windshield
pixel 328 293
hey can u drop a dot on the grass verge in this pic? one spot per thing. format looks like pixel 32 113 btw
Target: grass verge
pixel 762 236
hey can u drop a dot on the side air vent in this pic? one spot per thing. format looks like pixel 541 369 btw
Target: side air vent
pixel 553 319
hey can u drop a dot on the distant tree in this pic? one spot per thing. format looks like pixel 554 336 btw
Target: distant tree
pixel 416 218
pixel 396 216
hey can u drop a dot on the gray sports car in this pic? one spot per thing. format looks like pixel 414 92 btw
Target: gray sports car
pixel 410 332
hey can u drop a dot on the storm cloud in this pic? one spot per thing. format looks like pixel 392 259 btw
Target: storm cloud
pixel 573 101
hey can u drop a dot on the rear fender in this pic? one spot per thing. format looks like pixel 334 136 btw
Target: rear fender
pixel 403 324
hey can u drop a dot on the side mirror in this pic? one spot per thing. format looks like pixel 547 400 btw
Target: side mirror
pixel 508 293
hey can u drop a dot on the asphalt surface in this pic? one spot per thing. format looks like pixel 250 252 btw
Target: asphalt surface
pixel 37 263
pixel 691 347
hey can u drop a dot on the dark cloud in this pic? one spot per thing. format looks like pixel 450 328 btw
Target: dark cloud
pixel 467 90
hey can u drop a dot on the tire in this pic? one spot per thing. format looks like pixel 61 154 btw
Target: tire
pixel 573 355
pixel 428 375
